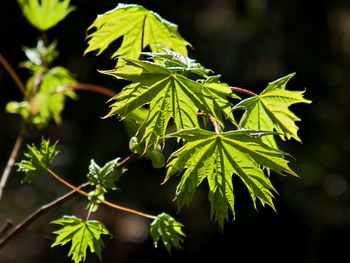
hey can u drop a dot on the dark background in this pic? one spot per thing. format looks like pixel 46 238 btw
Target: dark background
pixel 250 43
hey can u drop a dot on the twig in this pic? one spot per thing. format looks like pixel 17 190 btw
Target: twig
pixel 91 87
pixel 212 120
pixel 215 124
pixel 244 91
pixel 11 161
pixel 6 227
pixel 129 159
pixel 43 210
pixel 13 74
pixel 122 208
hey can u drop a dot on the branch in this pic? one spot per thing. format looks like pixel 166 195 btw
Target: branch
pixel 107 203
pixel 91 87
pixel 11 161
pixel 43 210
pixel 129 159
pixel 244 91
pixel 13 74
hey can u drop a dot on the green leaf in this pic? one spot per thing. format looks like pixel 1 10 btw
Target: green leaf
pixel 170 95
pixel 216 157
pixel 82 234
pixel 139 28
pixel 269 111
pixel 49 100
pixel 167 229
pixel 40 56
pixel 37 160
pixel 105 176
pixel 44 14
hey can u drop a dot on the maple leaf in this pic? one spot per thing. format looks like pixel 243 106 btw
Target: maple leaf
pixel 105 176
pixel 48 102
pixel 167 229
pixel 170 95
pixel 103 179
pixel 37 160
pixel 82 234
pixel 139 28
pixel 269 111
pixel 216 157
pixel 44 14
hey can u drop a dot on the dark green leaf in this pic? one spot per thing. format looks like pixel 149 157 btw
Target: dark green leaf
pixel 105 176
pixel 167 229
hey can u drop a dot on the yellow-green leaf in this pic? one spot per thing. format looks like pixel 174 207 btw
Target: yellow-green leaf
pixel 216 157
pixel 82 234
pixel 269 111
pixel 139 28
pixel 170 94
pixel 44 14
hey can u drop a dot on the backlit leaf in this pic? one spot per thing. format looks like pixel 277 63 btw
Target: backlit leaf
pixel 44 14
pixel 37 160
pixel 82 235
pixel 139 28
pixel 170 95
pixel 216 157
pixel 269 111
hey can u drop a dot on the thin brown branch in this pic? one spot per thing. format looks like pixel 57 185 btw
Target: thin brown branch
pixel 93 88
pixel 244 91
pixel 6 227
pixel 13 74
pixel 129 159
pixel 11 162
pixel 119 207
pixel 43 210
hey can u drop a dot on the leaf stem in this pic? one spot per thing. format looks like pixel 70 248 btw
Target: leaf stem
pixel 91 87
pixel 45 209
pixel 215 124
pixel 115 206
pixel 11 161
pixel 13 74
pixel 244 91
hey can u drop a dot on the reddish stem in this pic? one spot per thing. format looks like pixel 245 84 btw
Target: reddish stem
pixel 93 88
pixel 244 91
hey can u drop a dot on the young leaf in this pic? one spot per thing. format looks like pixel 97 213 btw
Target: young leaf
pixel 83 235
pixel 40 56
pixel 139 28
pixel 49 101
pixel 44 14
pixel 215 157
pixel 170 94
pixel 269 111
pixel 105 176
pixel 37 160
pixel 167 229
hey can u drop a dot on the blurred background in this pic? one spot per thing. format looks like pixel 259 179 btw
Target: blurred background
pixel 249 42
